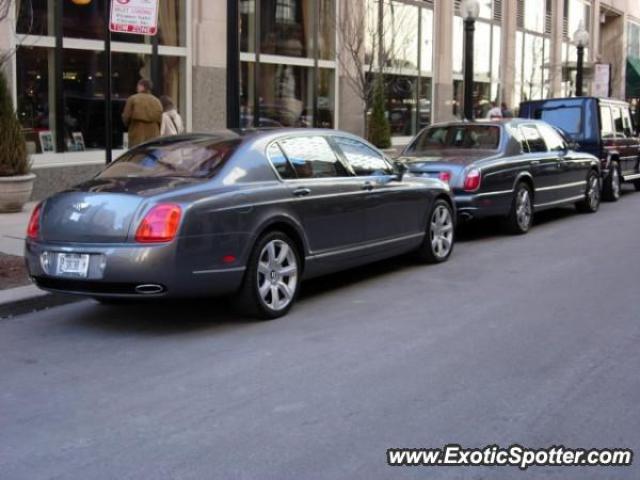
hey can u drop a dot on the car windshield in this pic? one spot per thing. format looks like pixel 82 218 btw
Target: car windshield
pixel 201 158
pixel 568 119
pixel 482 137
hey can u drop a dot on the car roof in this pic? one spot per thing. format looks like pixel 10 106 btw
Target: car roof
pixel 575 100
pixel 255 134
pixel 514 122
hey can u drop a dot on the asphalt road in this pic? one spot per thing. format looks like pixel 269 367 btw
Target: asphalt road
pixel 530 340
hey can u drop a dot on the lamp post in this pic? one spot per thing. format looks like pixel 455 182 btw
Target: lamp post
pixel 581 40
pixel 470 10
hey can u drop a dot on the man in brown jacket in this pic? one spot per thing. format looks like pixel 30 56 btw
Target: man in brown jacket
pixel 142 115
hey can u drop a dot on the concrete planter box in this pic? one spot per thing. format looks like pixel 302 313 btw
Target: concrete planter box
pixel 15 192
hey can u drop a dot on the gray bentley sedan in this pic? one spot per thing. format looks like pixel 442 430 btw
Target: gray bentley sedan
pixel 507 168
pixel 248 213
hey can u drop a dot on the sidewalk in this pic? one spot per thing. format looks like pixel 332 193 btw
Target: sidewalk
pixel 13 301
pixel 13 227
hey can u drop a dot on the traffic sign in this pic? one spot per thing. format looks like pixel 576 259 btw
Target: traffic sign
pixel 139 17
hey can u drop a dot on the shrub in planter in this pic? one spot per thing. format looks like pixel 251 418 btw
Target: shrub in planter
pixel 379 129
pixel 16 183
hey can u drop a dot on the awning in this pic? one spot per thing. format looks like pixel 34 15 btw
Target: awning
pixel 633 77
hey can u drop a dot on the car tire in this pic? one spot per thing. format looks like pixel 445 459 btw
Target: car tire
pixel 591 202
pixel 272 278
pixel 520 217
pixel 612 184
pixel 637 185
pixel 439 239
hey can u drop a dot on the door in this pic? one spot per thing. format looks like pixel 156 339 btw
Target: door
pixel 545 166
pixel 328 199
pixel 627 140
pixel 572 170
pixel 395 209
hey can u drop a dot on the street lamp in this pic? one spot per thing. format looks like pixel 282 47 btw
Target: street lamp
pixel 581 40
pixel 470 10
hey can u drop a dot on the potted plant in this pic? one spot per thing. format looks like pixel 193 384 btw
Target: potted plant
pixel 16 179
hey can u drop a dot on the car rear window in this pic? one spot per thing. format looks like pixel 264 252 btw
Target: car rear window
pixel 483 137
pixel 568 119
pixel 201 158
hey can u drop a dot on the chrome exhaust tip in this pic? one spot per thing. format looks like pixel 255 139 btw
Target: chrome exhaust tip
pixel 149 289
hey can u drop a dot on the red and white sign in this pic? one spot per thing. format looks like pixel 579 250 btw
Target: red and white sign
pixel 134 16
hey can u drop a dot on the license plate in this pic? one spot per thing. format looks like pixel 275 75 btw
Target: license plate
pixel 73 264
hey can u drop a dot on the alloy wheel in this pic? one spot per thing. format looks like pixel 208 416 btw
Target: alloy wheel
pixel 593 194
pixel 441 231
pixel 615 182
pixel 523 209
pixel 277 274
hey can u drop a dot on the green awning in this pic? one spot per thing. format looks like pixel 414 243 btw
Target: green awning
pixel 633 77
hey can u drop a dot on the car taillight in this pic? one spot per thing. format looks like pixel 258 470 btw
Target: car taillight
pixel 33 228
pixel 472 180
pixel 445 176
pixel 160 224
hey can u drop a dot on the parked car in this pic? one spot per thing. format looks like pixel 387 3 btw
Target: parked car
pixel 601 126
pixel 508 168
pixel 247 213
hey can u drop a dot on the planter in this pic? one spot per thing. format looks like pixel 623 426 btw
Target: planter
pixel 15 192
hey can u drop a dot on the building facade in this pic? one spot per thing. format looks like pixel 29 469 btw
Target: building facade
pixel 301 63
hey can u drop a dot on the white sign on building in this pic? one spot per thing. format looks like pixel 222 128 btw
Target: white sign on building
pixel 139 17
pixel 601 80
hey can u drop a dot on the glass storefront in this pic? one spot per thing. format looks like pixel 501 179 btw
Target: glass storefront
pixel 296 66
pixel 82 72
pixel 486 61
pixel 408 69
pixel 576 11
pixel 533 53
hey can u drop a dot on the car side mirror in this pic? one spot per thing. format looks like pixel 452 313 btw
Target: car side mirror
pixel 400 169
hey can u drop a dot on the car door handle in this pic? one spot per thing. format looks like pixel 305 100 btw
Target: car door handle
pixel 367 186
pixel 302 192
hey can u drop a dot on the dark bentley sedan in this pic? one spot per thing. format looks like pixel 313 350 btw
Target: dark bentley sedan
pixel 245 213
pixel 509 168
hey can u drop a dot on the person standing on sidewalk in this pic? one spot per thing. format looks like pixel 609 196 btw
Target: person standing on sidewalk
pixel 142 115
pixel 171 120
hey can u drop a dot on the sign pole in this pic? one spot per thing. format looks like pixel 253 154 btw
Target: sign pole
pixel 108 114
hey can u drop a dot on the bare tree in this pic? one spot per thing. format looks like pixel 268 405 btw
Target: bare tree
pixel 5 8
pixel 369 42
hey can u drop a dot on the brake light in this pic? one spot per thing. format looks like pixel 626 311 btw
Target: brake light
pixel 472 180
pixel 445 176
pixel 160 224
pixel 33 228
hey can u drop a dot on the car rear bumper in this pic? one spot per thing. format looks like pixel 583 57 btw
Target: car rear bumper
pixel 127 271
pixel 482 205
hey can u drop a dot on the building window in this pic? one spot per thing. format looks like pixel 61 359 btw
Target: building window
pixel 296 68
pixel 83 91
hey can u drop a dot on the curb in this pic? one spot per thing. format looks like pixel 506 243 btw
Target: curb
pixel 29 299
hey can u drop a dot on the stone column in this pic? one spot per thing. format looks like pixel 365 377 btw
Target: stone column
pixel 350 104
pixel 209 64
pixel 443 60
pixel 508 52
pixel 555 70
pixel 6 47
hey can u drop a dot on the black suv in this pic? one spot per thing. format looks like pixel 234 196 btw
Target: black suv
pixel 600 126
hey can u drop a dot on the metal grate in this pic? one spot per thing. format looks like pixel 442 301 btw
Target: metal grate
pixel 497 11
pixel 548 18
pixel 520 14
